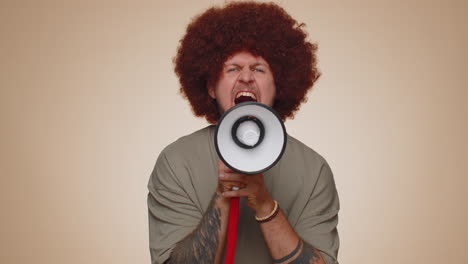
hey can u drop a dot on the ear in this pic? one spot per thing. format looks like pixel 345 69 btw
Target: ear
pixel 211 91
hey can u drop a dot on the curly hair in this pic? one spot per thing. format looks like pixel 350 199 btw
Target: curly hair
pixel 263 29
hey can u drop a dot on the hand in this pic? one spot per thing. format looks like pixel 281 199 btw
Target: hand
pixel 250 186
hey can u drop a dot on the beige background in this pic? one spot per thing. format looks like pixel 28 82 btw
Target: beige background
pixel 89 99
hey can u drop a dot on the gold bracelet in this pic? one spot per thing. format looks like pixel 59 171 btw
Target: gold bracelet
pixel 270 215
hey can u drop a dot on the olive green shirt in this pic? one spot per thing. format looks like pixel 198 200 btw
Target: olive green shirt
pixel 185 178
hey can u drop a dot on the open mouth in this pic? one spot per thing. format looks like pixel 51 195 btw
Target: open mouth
pixel 242 97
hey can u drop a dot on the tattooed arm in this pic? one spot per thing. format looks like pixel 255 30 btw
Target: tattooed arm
pixel 283 241
pixel 205 244
pixel 285 245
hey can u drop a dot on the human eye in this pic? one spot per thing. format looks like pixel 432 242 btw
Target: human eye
pixel 231 69
pixel 257 69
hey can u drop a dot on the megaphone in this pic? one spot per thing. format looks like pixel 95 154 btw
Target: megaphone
pixel 250 138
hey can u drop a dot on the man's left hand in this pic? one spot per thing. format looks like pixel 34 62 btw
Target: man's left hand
pixel 250 186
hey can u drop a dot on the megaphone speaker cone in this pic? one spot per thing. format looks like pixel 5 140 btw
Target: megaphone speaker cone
pixel 250 138
pixel 248 132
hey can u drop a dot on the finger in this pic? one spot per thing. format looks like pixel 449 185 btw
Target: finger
pixel 227 186
pixel 236 193
pixel 233 177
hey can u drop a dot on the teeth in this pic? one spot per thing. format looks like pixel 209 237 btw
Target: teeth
pixel 249 94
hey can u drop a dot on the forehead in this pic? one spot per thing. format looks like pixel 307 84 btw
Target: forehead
pixel 245 57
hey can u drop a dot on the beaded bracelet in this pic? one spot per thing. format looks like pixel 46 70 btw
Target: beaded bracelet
pixel 270 216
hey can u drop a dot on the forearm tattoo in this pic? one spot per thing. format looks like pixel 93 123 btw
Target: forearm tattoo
pixel 290 255
pixel 309 255
pixel 200 246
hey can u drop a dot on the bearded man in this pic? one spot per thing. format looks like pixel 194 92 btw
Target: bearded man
pixel 244 51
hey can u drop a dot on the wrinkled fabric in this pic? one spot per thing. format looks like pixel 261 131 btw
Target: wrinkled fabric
pixel 184 180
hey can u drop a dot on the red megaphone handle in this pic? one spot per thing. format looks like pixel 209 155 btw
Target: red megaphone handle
pixel 232 231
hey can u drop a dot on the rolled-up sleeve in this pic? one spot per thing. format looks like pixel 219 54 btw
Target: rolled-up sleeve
pixel 172 215
pixel 318 222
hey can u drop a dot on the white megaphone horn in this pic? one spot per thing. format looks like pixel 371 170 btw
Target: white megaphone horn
pixel 250 138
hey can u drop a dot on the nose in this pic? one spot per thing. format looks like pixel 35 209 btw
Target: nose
pixel 246 76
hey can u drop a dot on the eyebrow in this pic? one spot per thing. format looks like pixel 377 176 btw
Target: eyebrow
pixel 255 64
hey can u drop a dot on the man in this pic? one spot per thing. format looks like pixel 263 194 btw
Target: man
pixel 244 51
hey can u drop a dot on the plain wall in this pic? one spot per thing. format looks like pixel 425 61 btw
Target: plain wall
pixel 89 99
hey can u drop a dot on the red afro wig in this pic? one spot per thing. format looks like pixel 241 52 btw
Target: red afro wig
pixel 263 29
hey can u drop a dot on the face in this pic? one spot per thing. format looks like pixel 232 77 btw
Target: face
pixel 244 77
